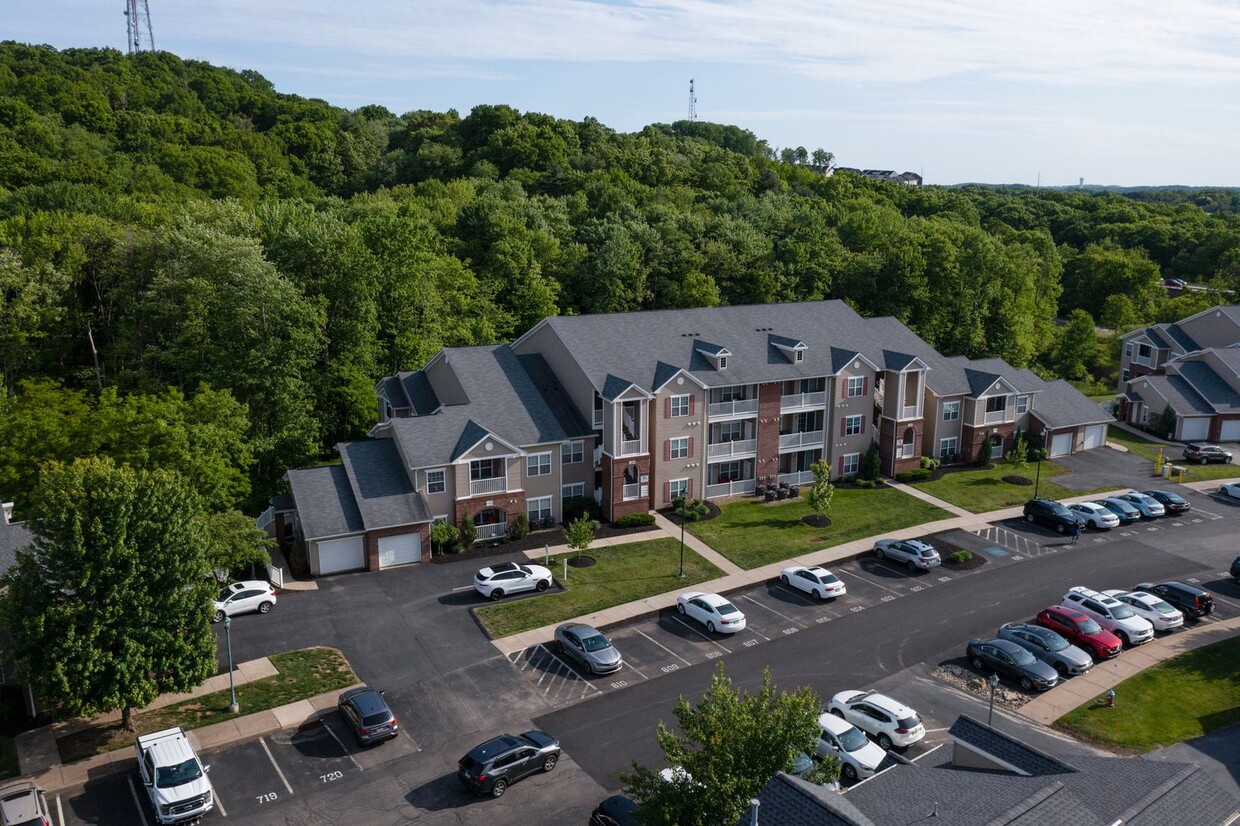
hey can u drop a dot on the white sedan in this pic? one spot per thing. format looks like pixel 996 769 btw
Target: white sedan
pixel 819 583
pixel 1095 515
pixel 511 578
pixel 1158 612
pixel 712 610
pixel 1231 489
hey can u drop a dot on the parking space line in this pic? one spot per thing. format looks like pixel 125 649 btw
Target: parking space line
pixel 636 671
pixel 798 594
pixel 772 610
pixel 218 803
pixel 340 743
pixel 901 571
pixel 1222 599
pixel 572 672
pixel 879 584
pixel 136 802
pixel 661 645
pixel 60 812
pixel 701 634
pixel 262 741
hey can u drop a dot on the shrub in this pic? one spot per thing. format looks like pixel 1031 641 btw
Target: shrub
pixel 635 520
pixel 469 530
pixel 692 510
pixel 871 464
pixel 867 484
pixel 576 507
pixel 914 475
pixel 929 462
pixel 520 527
pixel 984 451
pixel 960 556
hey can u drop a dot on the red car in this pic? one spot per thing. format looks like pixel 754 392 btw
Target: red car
pixel 1082 630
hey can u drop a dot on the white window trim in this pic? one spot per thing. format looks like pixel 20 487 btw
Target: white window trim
pixel 564 489
pixel 444 473
pixel 955 445
pixel 723 362
pixel 951 411
pixel 860 386
pixel 529 503
pixel 537 457
pixel 443 517
pixel 1128 349
pixel 848 424
pixel 567 452
pixel 671 488
pixel 1022 404
pixel 1125 374
pixel 683 449
pixel 852 463
pixel 678 401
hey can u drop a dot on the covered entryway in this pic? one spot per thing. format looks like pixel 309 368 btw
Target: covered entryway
pixel 996 447
pixel 1095 435
pixel 1230 431
pixel 337 555
pixel 1195 429
pixel 400 550
pixel 1061 443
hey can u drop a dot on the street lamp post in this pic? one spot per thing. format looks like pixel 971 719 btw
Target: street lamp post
pixel 682 539
pixel 993 679
pixel 233 708
pixel 1037 482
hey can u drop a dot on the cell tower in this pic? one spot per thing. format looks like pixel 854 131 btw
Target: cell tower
pixel 692 98
pixel 138 27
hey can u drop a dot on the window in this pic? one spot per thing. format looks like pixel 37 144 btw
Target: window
pixel 951 411
pixel 678 448
pixel 1128 348
pixel 947 447
pixel 679 406
pixel 856 386
pixel 732 393
pixel 572 453
pixel 1144 354
pixel 1123 375
pixel 575 489
pixel 723 362
pixel 538 510
pixel 538 464
pixel 852 463
pixel 442 518
pixel 677 488
pixel 1022 404
pixel 731 431
pixel 800 357
pixel 852 425
pixel 436 481
pixel 996 404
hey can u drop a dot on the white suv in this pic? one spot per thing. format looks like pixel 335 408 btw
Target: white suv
pixel 888 721
pixel 1111 614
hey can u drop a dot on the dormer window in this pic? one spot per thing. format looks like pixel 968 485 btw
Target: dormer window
pixel 800 356
pixel 722 362
pixel 793 349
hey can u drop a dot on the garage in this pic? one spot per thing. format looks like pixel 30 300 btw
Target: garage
pixel 399 550
pixel 336 555
pixel 1230 431
pixel 1061 443
pixel 1195 429
pixel 1095 435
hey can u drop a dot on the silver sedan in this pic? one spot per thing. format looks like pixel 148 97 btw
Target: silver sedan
pixel 588 647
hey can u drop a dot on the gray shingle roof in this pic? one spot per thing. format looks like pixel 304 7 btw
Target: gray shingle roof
pixel 1155 335
pixel 1003 747
pixel 515 398
pixel 791 801
pixel 380 484
pixel 13 537
pixel 1061 405
pixel 1190 791
pixel 390 388
pixel 1212 388
pixel 841 357
pixel 421 395
pixel 325 502
pixel 1177 333
pixel 1184 400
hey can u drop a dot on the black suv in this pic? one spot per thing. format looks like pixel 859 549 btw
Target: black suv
pixel 1052 514
pixel 367 713
pixel 498 763
pixel 1235 568
pixel 1190 599
pixel 1203 453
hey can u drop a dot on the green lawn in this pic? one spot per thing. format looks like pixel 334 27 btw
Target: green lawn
pixel 623 573
pixel 8 758
pixel 753 534
pixel 979 491
pixel 1148 450
pixel 1185 697
pixel 303 674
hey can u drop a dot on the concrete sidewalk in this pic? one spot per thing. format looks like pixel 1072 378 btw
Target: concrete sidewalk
pixel 1049 706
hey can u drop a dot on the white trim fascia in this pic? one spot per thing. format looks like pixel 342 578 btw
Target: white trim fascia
pixel 680 372
pixel 916 360
pixel 489 435
pixel 873 366
pixel 623 395
pixel 546 320
pixel 1011 390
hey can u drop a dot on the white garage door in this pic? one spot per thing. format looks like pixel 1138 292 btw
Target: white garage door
pixel 1195 429
pixel 1230 431
pixel 399 550
pixel 1061 444
pixel 336 555
pixel 1094 436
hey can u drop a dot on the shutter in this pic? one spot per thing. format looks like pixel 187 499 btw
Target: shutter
pixel 863 425
pixel 692 399
pixel 865 385
pixel 690 456
pixel 667 491
pixel 842 421
pixel 667 408
pixel 841 466
pixel 667 449
pixel 689 489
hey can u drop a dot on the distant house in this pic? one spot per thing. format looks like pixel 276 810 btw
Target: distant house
pixel 1191 365
pixel 14 536
pixel 906 178
pixel 984 777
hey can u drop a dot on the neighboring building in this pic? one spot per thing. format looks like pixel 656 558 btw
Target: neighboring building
pixel 634 409
pixel 987 778
pixel 1191 365
pixel 906 178
pixel 13 537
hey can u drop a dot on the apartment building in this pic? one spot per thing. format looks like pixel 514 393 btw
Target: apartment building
pixel 635 409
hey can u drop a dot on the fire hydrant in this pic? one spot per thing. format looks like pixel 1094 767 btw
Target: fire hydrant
pixel 1111 698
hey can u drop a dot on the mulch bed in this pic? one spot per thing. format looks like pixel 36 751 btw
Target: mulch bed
pixel 977 561
pixel 816 521
pixel 1017 480
pixel 712 510
pixel 529 542
pixel 582 561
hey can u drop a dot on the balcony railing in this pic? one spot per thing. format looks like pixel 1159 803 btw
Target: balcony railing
pixel 477 487
pixel 804 477
pixel 730 488
pixel 631 491
pixel 598 455
pixel 995 417
pixel 499 529
pixel 798 401
pixel 910 412
pixel 630 446
pixel 811 438
pixel 740 407
pixel 266 518
pixel 741 447
pixel 598 419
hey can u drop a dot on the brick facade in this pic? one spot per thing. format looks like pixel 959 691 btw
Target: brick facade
pixel 888 432
pixel 767 462
pixel 614 506
pixel 510 503
pixel 971 438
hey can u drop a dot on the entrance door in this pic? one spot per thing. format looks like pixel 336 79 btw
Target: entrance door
pixel 996 447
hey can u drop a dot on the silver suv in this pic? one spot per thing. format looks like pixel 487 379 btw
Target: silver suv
pixel 1111 614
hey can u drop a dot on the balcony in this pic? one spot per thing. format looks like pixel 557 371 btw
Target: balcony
pixel 793 441
pixel 478 487
pixel 801 401
pixel 496 531
pixel 629 447
pixel 730 488
pixel 804 477
pixel 995 417
pixel 598 419
pixel 913 411
pixel 728 410
pixel 631 492
pixel 740 447
pixel 598 455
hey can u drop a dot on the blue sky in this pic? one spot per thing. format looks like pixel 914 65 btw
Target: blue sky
pixel 1138 92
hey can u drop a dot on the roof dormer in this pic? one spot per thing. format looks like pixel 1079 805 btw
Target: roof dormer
pixel 793 349
pixel 717 355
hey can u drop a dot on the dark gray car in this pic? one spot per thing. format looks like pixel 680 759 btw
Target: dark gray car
pixel 586 646
pixel 1048 647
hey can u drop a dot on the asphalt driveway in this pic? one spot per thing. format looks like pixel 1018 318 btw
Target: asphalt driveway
pixel 1103 467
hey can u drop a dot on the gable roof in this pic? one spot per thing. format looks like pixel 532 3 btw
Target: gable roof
pixel 1184 400
pixel 14 536
pixel 790 801
pixel 1021 756
pixel 380 484
pixel 1061 405
pixel 325 503
pixel 1209 385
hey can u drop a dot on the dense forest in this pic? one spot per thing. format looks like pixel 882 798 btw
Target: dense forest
pixel 200 273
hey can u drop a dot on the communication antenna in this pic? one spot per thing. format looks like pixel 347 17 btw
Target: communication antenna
pixel 692 98
pixel 138 27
